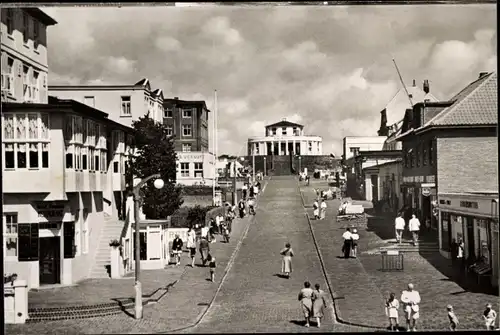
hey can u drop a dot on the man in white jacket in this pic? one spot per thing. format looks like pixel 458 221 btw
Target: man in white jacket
pixel 400 226
pixel 414 226
pixel 411 300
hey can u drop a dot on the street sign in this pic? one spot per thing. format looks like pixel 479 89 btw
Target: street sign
pixel 426 191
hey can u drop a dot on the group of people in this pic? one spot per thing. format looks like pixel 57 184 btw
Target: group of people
pixel 413 227
pixel 410 299
pixel 319 209
pixel 243 205
pixel 250 190
pixel 350 245
pixel 312 303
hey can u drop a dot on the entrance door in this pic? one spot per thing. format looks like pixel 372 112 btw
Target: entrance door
pixel 470 237
pixel 50 260
pixel 374 179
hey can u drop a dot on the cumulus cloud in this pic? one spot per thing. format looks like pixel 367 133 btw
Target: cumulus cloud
pixel 328 68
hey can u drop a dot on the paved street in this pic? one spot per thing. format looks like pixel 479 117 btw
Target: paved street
pixel 253 298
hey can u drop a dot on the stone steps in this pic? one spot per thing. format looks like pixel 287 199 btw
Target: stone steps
pixel 112 230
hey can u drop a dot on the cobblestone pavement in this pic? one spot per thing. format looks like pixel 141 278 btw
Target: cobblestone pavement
pixel 180 307
pixel 253 298
pixel 362 287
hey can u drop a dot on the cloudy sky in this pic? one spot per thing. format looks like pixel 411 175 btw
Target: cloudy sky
pixel 329 68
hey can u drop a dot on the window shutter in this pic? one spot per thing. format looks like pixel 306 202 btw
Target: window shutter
pixel 69 240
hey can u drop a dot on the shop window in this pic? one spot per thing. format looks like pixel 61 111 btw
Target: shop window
pixel 10 234
pixel 27 242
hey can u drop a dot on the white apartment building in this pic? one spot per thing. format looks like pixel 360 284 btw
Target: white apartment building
pixel 352 145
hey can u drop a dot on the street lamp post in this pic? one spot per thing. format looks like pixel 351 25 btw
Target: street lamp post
pixel 253 166
pixel 136 196
pixel 300 158
pixel 265 166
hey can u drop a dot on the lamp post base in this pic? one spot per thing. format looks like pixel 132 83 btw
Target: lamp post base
pixel 138 300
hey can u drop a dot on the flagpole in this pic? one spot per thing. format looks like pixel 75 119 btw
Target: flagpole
pixel 214 181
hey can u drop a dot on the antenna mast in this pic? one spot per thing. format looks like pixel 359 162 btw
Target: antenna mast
pixel 402 82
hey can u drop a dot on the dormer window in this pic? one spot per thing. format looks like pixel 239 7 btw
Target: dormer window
pixel 283 131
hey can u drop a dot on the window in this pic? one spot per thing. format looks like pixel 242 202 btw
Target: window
pixel 26 84
pixel 425 154
pixel 116 167
pixel 273 131
pixel 82 144
pixel 417 153
pixel 187 113
pixel 257 147
pixel 310 147
pixel 8 77
pixel 85 232
pixel 10 234
pixel 25 140
pixel 186 130
pixel 36 34
pixel 186 148
pixel 26 27
pixel 170 130
pixel 198 170
pixel 168 113
pixel 354 150
pixel 184 169
pixel 126 106
pixel 35 86
pixel 89 101
pixel 431 153
pixel 9 20
pixel 283 131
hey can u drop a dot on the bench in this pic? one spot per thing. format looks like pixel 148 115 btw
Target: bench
pixel 480 270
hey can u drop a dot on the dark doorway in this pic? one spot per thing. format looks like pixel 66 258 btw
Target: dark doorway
pixel 470 237
pixel 374 179
pixel 50 260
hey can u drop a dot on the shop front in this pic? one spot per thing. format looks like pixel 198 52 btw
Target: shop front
pixel 154 245
pixel 419 194
pixel 470 218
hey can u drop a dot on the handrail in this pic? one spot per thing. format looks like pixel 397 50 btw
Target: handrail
pixel 123 234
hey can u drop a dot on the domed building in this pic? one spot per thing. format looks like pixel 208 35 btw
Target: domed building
pixel 283 138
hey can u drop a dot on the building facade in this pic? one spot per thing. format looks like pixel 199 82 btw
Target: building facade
pixel 196 168
pixel 124 103
pixel 24 54
pixel 284 138
pixel 188 123
pixel 57 182
pixel 353 145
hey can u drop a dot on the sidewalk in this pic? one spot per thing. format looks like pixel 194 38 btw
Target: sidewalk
pixel 180 307
pixel 362 286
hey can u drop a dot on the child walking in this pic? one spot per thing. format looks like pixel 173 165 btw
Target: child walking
pixel 452 317
pixel 212 265
pixel 392 311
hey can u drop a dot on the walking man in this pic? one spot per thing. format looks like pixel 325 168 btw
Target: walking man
pixel 414 226
pixel 400 226
pixel 204 250
pixel 346 248
pixel 411 300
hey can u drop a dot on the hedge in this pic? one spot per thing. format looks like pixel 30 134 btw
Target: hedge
pixel 185 217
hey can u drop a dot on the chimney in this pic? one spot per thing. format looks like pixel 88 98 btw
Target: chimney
pixel 414 83
pixel 176 98
pixel 426 86
pixel 482 74
pixel 383 131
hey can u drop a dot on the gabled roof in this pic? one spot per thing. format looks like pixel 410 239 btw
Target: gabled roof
pixel 145 83
pixel 395 109
pixel 476 104
pixel 158 93
pixel 285 123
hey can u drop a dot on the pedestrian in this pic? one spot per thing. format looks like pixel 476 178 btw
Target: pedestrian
pixel 212 265
pixel 191 244
pixel 308 179
pixel 322 212
pixel 399 224
pixel 305 298
pixel 204 250
pixel 414 226
pixel 255 190
pixel 489 317
pixel 226 232
pixel 316 210
pixel 251 191
pixel 392 311
pixel 411 300
pixel 346 247
pixel 354 245
pixel 258 186
pixel 319 304
pixel 452 318
pixel 251 206
pixel 177 249
pixel 286 264
pixel 460 254
pixel 244 190
pixel 241 208
pixel 212 229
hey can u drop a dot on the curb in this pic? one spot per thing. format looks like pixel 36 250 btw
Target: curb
pixel 229 265
pixel 337 319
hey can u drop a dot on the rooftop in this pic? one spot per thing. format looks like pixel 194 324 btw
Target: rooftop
pixel 41 16
pixel 285 123
pixel 141 84
pixel 178 102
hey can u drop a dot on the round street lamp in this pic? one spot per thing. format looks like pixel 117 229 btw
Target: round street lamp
pixel 158 183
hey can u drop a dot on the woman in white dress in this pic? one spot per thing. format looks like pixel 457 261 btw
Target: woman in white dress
pixel 392 311
pixel 322 212
pixel 191 244
pixel 286 265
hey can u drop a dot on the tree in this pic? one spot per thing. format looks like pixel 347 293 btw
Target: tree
pixel 155 154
